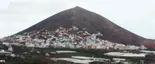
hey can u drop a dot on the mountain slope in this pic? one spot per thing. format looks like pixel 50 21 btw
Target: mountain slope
pixel 91 21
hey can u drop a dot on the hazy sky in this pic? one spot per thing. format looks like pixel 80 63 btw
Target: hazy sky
pixel 138 16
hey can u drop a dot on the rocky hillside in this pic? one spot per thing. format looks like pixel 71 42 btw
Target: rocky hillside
pixel 90 21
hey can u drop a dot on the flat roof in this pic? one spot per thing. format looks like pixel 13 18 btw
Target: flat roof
pixel 66 51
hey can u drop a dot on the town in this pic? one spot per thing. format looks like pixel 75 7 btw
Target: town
pixel 69 40
pixel 66 38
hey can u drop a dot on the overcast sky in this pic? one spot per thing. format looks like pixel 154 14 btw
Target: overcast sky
pixel 138 16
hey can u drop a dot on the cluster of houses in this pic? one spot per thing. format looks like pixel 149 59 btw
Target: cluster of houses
pixel 66 38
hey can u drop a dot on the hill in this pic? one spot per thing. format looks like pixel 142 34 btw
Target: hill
pixel 91 21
